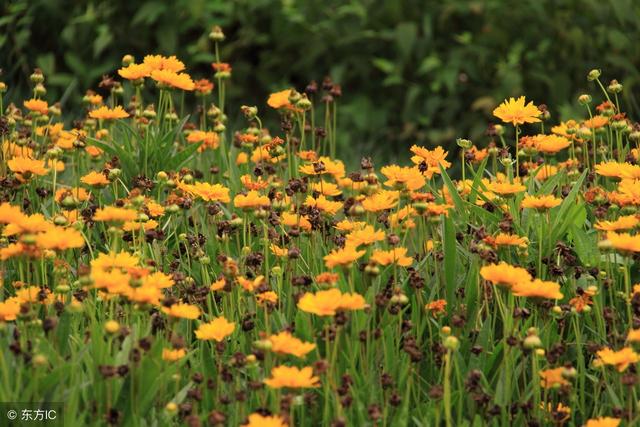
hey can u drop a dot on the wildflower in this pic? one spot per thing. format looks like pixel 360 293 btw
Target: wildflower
pixel 106 113
pixel 540 202
pixel 209 140
pixel 9 213
pixel 121 260
pixel 60 239
pixel 409 178
pixel 268 297
pixel 437 307
pixel 550 378
pixel 537 289
pixel 259 420
pixel 506 188
pixel 26 167
pixel 174 80
pixel 159 62
pixel 294 220
pixel 326 188
pixel 251 200
pixel 550 144
pixel 323 204
pixel 292 377
pixel 504 239
pixel 280 99
pixel 596 122
pixel 633 335
pixel 618 170
pixel 207 192
pixel 250 285
pixel 9 310
pixel 37 105
pixel 342 257
pixel 327 303
pixel 504 274
pixel 622 223
pixel 364 236
pixel 285 343
pixel 394 256
pixel 328 278
pixel 158 280
pixel 603 422
pixel 183 311
pixel 623 242
pixel 218 285
pixel 173 355
pixel 135 71
pixel 112 213
pixel 218 329
pixel 95 179
pixel 621 359
pixel 515 111
pixel 433 159
pixel 381 201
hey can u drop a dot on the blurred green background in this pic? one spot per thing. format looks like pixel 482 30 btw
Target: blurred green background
pixel 412 71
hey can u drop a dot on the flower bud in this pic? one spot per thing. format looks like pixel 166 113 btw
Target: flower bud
pixel 584 99
pixel 216 34
pixel 451 343
pixel 593 74
pixel 111 327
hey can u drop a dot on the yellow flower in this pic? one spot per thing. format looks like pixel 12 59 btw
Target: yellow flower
pixel 622 223
pixel 326 303
pixel 182 310
pixel 207 192
pixel 621 359
pixel 550 144
pixel 26 167
pixel 258 420
pixel 409 178
pixel 172 79
pixel 135 71
pixel 280 99
pixel 537 289
pixel 292 377
pixel 540 202
pixel 9 310
pixel 506 188
pixel 295 220
pixel 342 257
pixel 60 239
pixel 95 179
pixel 323 204
pixel 106 113
pixel 553 377
pixel 381 201
pixel 504 274
pixel 633 335
pixel 251 200
pixel 112 213
pixel 515 111
pixel 37 105
pixel 364 236
pixel 624 242
pixel 218 329
pixel 173 355
pixel 159 62
pixel 285 343
pixel 393 256
pixel 603 422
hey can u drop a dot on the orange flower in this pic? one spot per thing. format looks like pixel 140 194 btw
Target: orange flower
pixel 621 359
pixel 515 111
pixel 159 62
pixel 295 220
pixel 504 274
pixel 622 223
pixel 112 213
pixel 292 377
pixel 409 178
pixel 207 192
pixel 323 204
pixel 135 71
pixel 342 257
pixel 258 420
pixel 9 310
pixel 209 140
pixel 285 343
pixel 381 201
pixel 95 179
pixel 37 105
pixel 218 329
pixel 106 113
pixel 280 99
pixel 393 256
pixel 364 236
pixel 183 311
pixel 437 307
pixel 60 239
pixel 550 144
pixel 506 188
pixel 596 122
pixel 540 202
pixel 326 303
pixel 26 167
pixel 251 200
pixel 537 289
pixel 603 422
pixel 329 278
pixel 553 377
pixel 624 242
pixel 171 355
pixel 172 79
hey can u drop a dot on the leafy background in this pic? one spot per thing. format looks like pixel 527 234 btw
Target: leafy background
pixel 412 71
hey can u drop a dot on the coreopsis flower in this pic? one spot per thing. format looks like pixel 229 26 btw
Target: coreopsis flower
pixel 327 303
pixel 515 111
pixel 27 224
pixel 174 80
pixel 324 165
pixel 95 179
pixel 34 295
pixel 204 86
pixel 251 200
pixel 250 285
pixel 550 144
pixel 207 192
pixel 626 222
pixel 121 260
pixel 218 329
pixel 504 274
pixel 115 214
pixel 633 335
pixel 268 297
pixel 618 170
pixel 537 289
pixel 292 377
pixel 381 201
pixel 624 242
pixel 144 294
pixel 603 422
pixel 433 159
pixel 545 172
pixel 259 420
pixel 210 140
pixel 540 202
pixel 37 105
pixel 620 359
pixel 285 343
pixel 505 239
pixel 183 311
pixel 327 278
pixel 397 255
pixel 159 62
pixel 135 71
pixel 248 182
pixel 158 280
pixel 323 204
pixel 218 285
pixel 26 167
pixel 9 310
pixel 364 236
pixel 437 307
pixel 280 99
pixel 10 213
pixel 60 239
pixel 326 188
pixel 506 188
pixel 106 113
pixel 550 378
pixel 409 178
pixel 171 355
pixel 596 122
pixel 13 250
pixel 348 225
pixel 289 219
pixel 343 257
